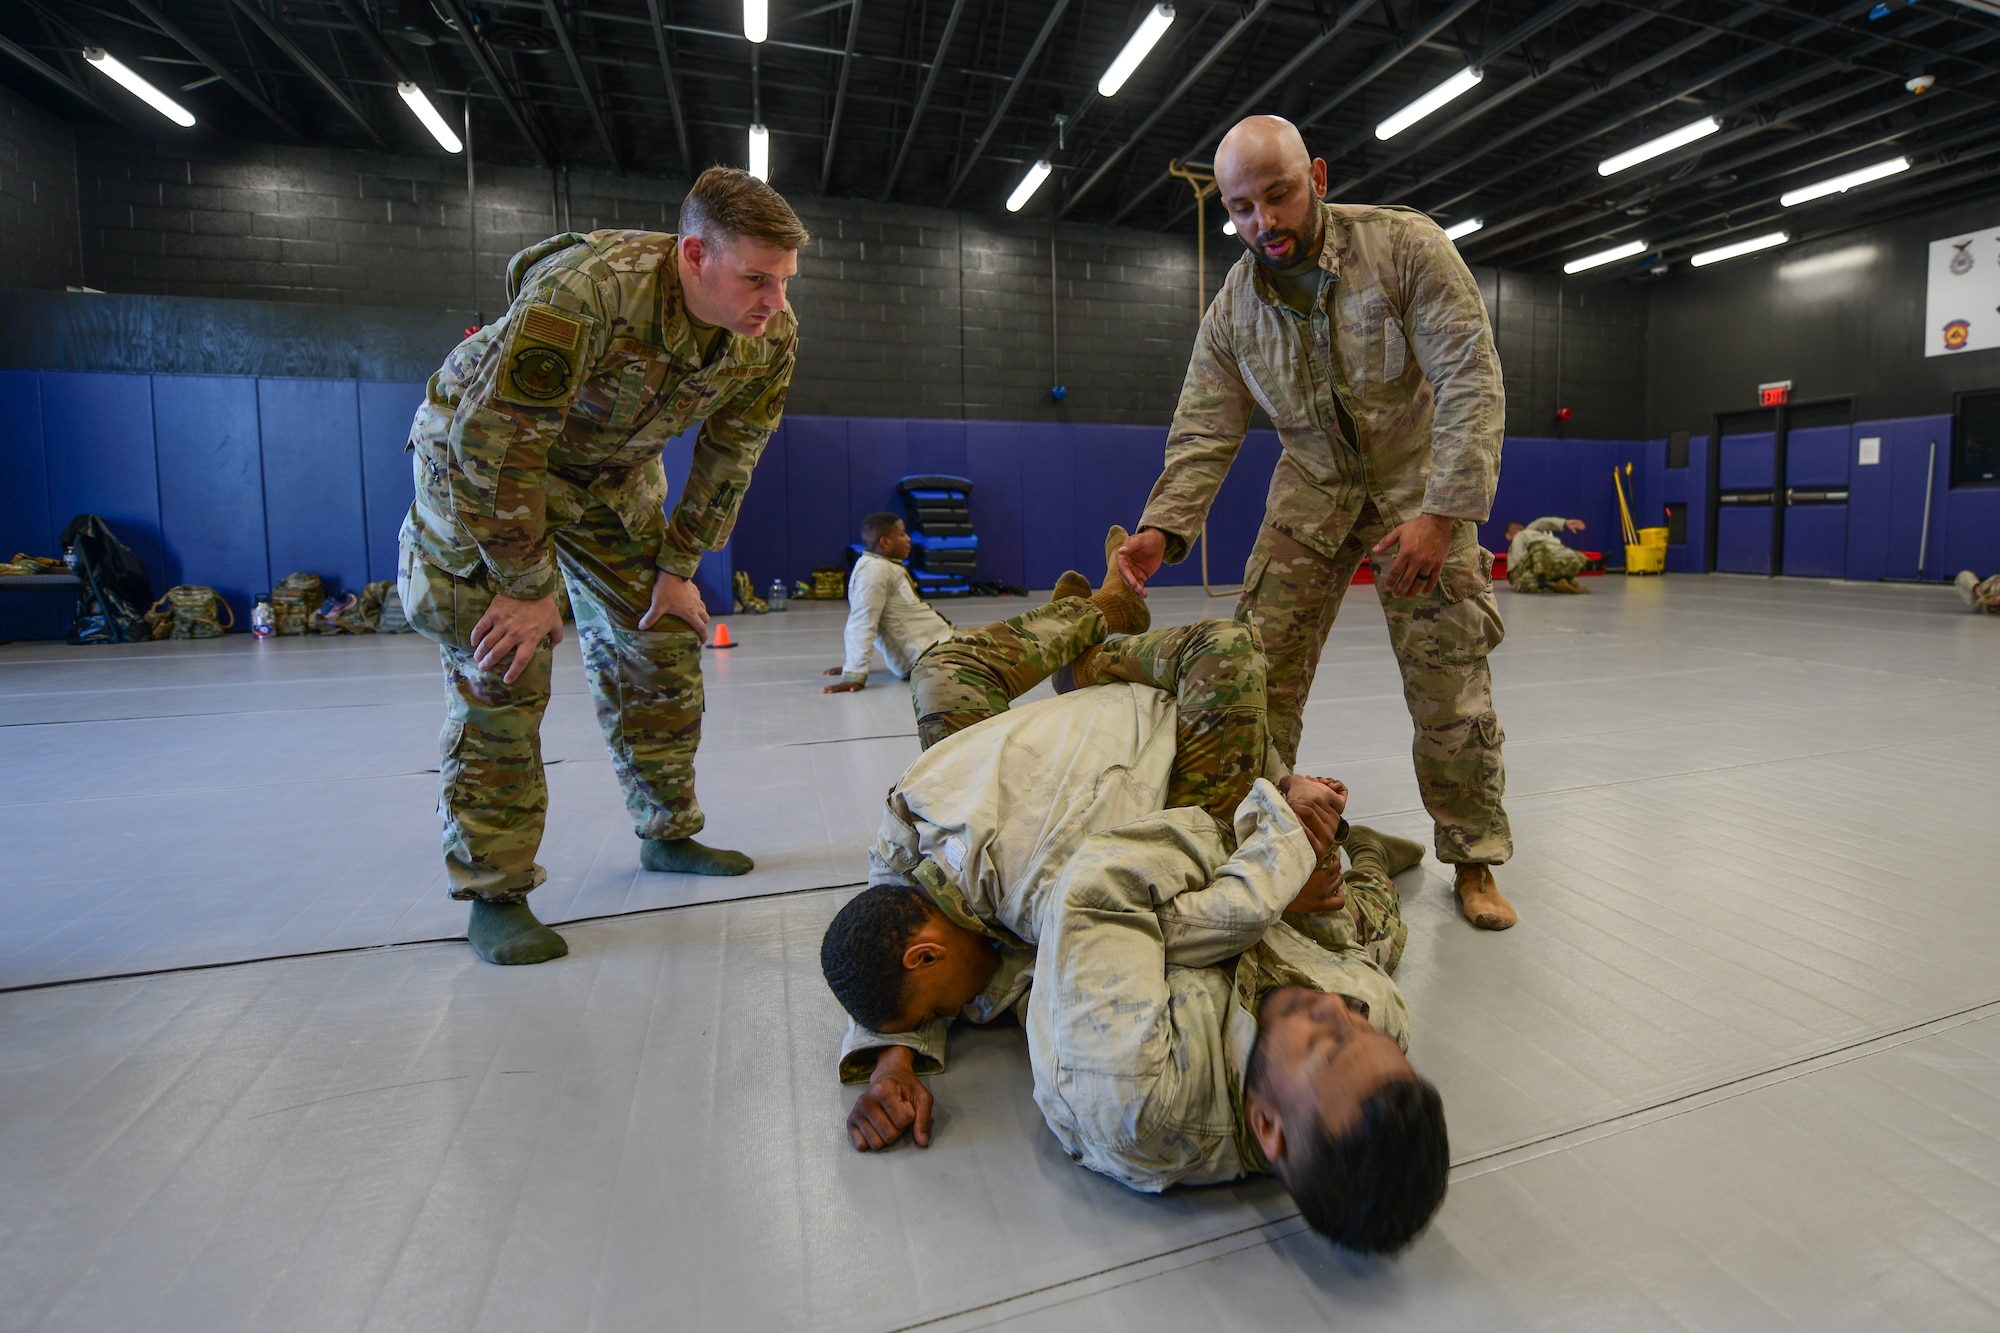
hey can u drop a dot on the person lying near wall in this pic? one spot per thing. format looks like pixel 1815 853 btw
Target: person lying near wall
pixel 1537 560
pixel 1214 997
pixel 1979 594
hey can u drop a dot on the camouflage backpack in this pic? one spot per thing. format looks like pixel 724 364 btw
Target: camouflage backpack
pixel 294 601
pixel 191 613
pixel 390 619
pixel 747 599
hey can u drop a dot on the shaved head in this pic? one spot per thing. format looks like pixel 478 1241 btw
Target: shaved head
pixel 1261 144
pixel 1271 187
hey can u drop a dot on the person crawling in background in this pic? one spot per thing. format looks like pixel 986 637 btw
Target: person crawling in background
pixel 1979 594
pixel 1537 561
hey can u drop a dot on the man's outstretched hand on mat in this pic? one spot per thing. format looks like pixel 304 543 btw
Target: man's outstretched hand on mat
pixel 894 1100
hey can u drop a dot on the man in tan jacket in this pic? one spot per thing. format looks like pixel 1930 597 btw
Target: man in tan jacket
pixel 1362 335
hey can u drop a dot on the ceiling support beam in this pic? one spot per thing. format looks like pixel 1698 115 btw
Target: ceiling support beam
pixel 1006 98
pixel 923 98
pixel 840 95
pixel 1243 108
pixel 57 77
pixel 583 85
pixel 1507 94
pixel 1201 67
pixel 673 85
pixel 216 67
pixel 483 58
pixel 311 70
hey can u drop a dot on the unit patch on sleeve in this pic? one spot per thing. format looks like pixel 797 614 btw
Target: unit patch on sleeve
pixel 539 366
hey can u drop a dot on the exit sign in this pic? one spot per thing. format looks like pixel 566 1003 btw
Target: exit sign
pixel 1776 394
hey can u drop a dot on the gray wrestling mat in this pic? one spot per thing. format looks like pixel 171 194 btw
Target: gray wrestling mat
pixel 1735 1069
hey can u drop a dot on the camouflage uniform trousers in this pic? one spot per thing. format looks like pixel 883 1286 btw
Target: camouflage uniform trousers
pixel 1292 593
pixel 646 685
pixel 1213 668
pixel 1544 563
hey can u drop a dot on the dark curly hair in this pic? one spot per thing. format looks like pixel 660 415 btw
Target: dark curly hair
pixel 1375 1187
pixel 862 954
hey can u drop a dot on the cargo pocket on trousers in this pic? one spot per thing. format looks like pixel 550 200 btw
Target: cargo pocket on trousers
pixel 1468 624
pixel 450 741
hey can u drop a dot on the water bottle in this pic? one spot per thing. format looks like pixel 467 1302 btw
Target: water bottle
pixel 69 558
pixel 261 625
pixel 778 598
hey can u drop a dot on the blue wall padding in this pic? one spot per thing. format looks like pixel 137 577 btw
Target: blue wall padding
pixel 312 479
pixel 212 485
pixel 1817 458
pixel 992 459
pixel 25 524
pixel 1749 462
pixel 97 434
pixel 1816 541
pixel 1743 540
pixel 199 481
pixel 1688 487
pixel 936 446
pixel 1868 491
pixel 388 484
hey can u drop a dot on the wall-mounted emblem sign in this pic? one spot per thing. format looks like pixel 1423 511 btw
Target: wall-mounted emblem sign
pixel 1962 311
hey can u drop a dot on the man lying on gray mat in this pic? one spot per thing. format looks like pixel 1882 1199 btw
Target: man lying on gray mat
pixel 1214 999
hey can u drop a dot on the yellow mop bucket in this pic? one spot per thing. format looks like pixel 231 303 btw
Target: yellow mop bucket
pixel 1645 548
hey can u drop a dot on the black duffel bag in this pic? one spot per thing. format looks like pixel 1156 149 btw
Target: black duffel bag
pixel 111 604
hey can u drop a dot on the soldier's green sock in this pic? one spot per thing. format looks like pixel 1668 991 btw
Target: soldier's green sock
pixel 1390 854
pixel 508 934
pixel 687 857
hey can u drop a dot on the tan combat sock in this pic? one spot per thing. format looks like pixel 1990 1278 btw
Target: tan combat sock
pixel 1388 853
pixel 1071 584
pixel 1125 612
pixel 1480 899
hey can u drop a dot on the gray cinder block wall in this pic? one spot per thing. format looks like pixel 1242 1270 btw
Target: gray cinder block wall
pixel 905 311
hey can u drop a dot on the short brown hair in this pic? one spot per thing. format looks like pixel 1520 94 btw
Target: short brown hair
pixel 727 203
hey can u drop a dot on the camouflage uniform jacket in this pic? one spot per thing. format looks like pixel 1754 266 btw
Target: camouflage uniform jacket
pixel 1388 390
pixel 1542 532
pixel 580 385
pixel 988 823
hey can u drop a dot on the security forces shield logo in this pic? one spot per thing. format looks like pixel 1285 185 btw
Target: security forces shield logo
pixel 1956 333
pixel 540 374
pixel 540 367
pixel 1961 262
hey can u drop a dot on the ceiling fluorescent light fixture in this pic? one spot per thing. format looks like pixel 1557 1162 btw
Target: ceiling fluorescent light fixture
pixel 760 152
pixel 1462 82
pixel 1749 247
pixel 1229 227
pixel 756 19
pixel 1841 184
pixel 1603 257
pixel 125 77
pixel 1029 184
pixel 1653 148
pixel 1465 228
pixel 413 97
pixel 1151 28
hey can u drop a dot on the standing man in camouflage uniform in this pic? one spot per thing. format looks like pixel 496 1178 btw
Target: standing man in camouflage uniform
pixel 1361 333
pixel 538 454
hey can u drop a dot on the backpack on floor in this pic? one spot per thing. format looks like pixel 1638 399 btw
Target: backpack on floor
pixel 116 588
pixel 293 602
pixel 747 599
pixel 190 611
pixel 390 620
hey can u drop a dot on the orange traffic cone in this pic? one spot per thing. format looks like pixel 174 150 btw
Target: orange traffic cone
pixel 721 639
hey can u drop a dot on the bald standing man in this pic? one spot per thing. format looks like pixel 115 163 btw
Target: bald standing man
pixel 1361 333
